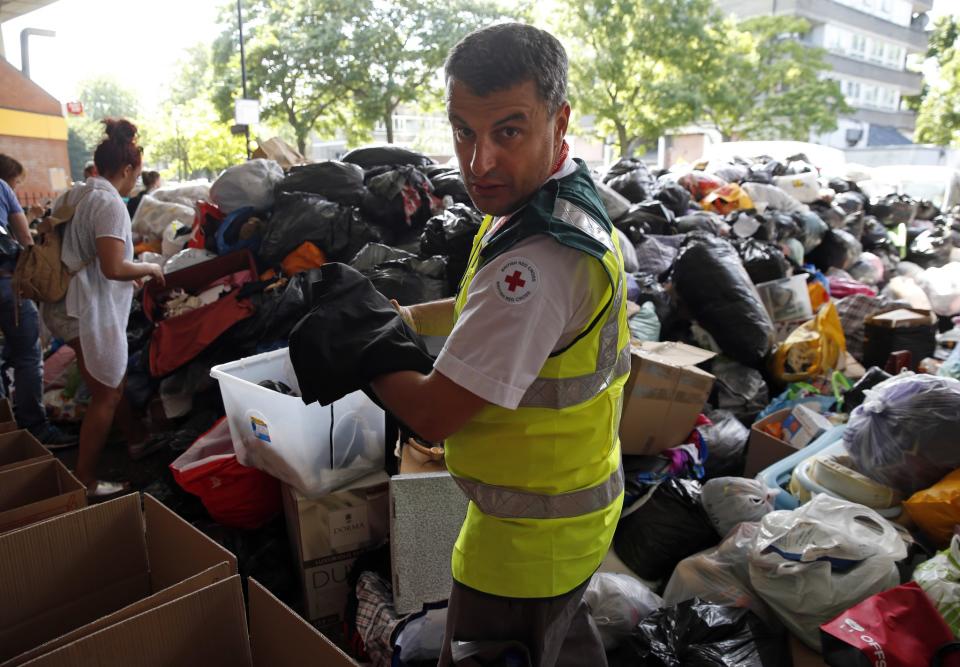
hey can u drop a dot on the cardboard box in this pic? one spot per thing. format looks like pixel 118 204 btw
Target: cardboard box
pixel 763 450
pixel 20 448
pixel 663 396
pixel 63 573
pixel 902 317
pixel 38 491
pixel 803 426
pixel 205 627
pixel 327 534
pixel 7 422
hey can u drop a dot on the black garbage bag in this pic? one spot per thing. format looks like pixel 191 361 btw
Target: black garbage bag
pixel 726 440
pixel 664 530
pixel 927 210
pixel 277 309
pixel 894 209
pixel 750 224
pixel 379 156
pixel 854 224
pixel 399 196
pixel 931 248
pixel 450 184
pixel 706 221
pixel 298 217
pixel 838 185
pixel 852 202
pixel 874 236
pixel 622 166
pixel 402 276
pixel 674 196
pixel 451 234
pixel 651 290
pixel 830 213
pixel 763 261
pixel 637 184
pixel 740 389
pixel 649 217
pixel 854 397
pixel 700 634
pixel 340 182
pixel 812 226
pixel 764 170
pixel 710 279
pixel 837 249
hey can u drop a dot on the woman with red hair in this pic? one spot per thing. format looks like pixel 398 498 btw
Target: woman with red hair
pixel 92 319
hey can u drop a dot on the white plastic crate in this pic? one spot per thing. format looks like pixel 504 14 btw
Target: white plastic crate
pixel 312 448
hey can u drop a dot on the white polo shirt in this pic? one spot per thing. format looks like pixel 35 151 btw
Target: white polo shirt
pixel 526 303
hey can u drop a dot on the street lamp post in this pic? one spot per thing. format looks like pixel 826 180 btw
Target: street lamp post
pixel 243 71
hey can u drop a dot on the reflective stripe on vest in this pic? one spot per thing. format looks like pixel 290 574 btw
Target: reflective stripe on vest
pixel 508 503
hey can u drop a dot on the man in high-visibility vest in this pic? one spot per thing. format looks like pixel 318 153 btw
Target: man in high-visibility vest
pixel 527 391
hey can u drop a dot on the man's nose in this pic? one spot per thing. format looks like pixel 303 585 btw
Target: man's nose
pixel 484 157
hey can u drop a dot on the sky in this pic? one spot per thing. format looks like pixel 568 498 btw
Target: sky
pixel 137 42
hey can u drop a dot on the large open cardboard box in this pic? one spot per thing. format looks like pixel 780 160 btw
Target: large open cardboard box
pixel 205 627
pixel 328 534
pixel 38 491
pixel 60 574
pixel 19 448
pixel 663 396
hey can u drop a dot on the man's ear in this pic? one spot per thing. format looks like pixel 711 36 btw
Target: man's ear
pixel 561 122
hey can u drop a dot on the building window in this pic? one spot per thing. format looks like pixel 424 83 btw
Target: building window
pixel 876 51
pixel 859 46
pixel 886 6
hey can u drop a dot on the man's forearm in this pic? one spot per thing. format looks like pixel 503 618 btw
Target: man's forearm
pixel 21 229
pixel 434 318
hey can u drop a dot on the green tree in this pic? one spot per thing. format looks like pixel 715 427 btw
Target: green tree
pixel 766 84
pixel 300 63
pixel 636 65
pixel 102 97
pixel 402 45
pixel 938 120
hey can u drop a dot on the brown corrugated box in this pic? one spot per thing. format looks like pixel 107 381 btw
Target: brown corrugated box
pixel 205 627
pixel 328 533
pixel 20 448
pixel 7 422
pixel 38 491
pixel 763 450
pixel 902 317
pixel 663 396
pixel 63 573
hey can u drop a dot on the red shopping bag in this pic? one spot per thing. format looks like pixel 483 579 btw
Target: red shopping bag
pixel 233 494
pixel 896 628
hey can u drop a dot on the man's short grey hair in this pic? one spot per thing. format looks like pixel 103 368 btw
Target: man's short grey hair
pixel 501 56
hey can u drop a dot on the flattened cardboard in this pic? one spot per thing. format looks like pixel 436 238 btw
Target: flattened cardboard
pixel 902 317
pixel 328 534
pixel 60 574
pixel 20 448
pixel 206 627
pixel 763 450
pixel 280 638
pixel 7 422
pixel 663 396
pixel 38 491
pixel 185 587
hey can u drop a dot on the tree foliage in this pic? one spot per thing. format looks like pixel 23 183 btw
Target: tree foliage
pixel 636 64
pixel 102 97
pixel 766 84
pixel 938 121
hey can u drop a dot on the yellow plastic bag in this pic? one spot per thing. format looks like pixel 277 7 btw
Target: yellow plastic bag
pixel 813 349
pixel 937 510
pixel 727 199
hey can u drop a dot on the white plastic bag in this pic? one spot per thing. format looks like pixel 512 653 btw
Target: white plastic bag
pixel 940 578
pixel 764 195
pixel 618 602
pixel 171 243
pixel 186 258
pixel 732 500
pixel 803 187
pixel 720 575
pixel 154 216
pixel 187 194
pixel 247 184
pixel 942 286
pixel 817 561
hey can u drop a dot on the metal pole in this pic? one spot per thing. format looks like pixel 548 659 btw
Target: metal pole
pixel 243 70
pixel 25 46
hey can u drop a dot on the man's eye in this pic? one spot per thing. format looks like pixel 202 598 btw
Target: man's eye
pixel 510 132
pixel 462 133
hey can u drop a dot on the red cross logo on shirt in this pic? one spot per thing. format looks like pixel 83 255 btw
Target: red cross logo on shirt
pixel 515 281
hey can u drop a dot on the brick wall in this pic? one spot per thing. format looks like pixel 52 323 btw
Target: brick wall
pixel 38 157
pixel 19 92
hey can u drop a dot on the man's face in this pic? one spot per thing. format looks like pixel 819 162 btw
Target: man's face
pixel 506 143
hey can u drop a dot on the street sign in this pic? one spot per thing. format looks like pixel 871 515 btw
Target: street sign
pixel 75 108
pixel 246 112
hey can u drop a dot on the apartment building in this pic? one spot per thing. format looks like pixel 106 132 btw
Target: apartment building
pixel 868 45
